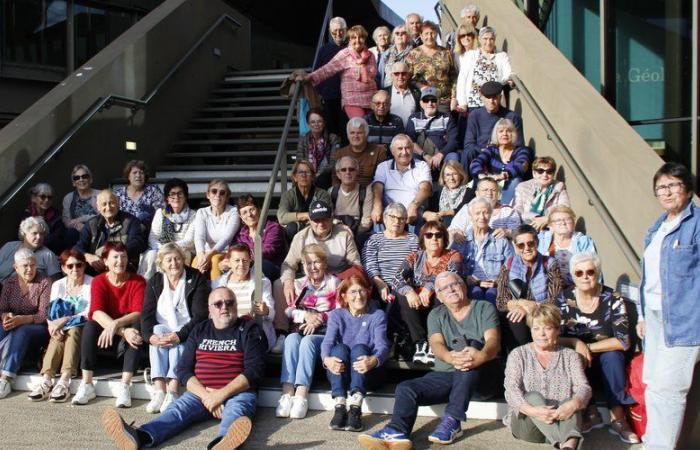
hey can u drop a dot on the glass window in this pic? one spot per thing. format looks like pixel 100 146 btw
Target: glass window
pixel 35 32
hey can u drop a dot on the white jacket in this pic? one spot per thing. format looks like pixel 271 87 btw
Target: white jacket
pixel 466 72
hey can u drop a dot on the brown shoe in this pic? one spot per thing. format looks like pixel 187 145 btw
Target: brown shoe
pixel 591 419
pixel 125 436
pixel 236 434
pixel 621 429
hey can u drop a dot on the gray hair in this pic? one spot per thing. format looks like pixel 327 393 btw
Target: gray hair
pixel 489 180
pixel 357 122
pixel 400 137
pixel 503 123
pixel 30 222
pixel 166 249
pixel 414 15
pixel 396 28
pixel 583 257
pixel 476 201
pixel 23 254
pixel 448 274
pixel 470 8
pixel 395 208
pixel 41 188
pixel 487 29
pixel 376 31
pixel 78 167
pixel 339 21
pixel 352 159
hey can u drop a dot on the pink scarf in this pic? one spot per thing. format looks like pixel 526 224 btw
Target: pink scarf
pixel 362 59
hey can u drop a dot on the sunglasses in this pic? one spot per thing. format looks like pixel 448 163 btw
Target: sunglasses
pixel 226 303
pixel 74 266
pixel 45 196
pixel 540 171
pixel 429 100
pixel 81 177
pixel 347 169
pixel 579 273
pixel 430 235
pixel 528 244
pixel 221 192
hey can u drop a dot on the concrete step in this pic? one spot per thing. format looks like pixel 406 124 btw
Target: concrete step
pixel 256 79
pixel 237 154
pixel 250 99
pixel 244 109
pixel 234 73
pixel 244 119
pixel 262 141
pixel 244 130
pixel 211 174
pixel 213 167
pixel 237 187
pixel 246 90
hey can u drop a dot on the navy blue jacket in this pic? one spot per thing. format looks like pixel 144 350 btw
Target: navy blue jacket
pixel 441 130
pixel 480 125
pixel 329 89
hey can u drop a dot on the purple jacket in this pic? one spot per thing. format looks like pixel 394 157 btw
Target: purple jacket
pixel 272 241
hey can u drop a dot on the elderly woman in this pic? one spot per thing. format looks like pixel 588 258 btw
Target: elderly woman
pixel 381 37
pixel 23 303
pixel 502 160
pixel 272 237
pixel 80 205
pixel 139 199
pixel 240 280
pixel 432 65
pixel 668 312
pixel 293 209
pixel 358 69
pixel 483 253
pixel 546 387
pixel 57 238
pixel 316 146
pixel 67 313
pixel 214 228
pixel 32 231
pixel 116 300
pixel 452 195
pixel 415 284
pixel 466 41
pixel 384 252
pixel 316 296
pixel 397 53
pixel 175 301
pixel 476 67
pixel 353 351
pixel 173 223
pixel 562 242
pixel 595 318
pixel 525 281
pixel 534 198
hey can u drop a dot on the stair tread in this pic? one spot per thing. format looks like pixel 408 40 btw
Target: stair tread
pixel 239 119
pixel 231 141
pixel 245 108
pixel 246 90
pixel 223 154
pixel 262 130
pixel 213 167
pixel 262 98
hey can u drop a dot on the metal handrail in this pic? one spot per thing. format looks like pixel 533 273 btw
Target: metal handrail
pixel 593 197
pixel 444 10
pixel 281 165
pixel 104 103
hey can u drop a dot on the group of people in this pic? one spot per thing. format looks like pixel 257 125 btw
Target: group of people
pixel 483 277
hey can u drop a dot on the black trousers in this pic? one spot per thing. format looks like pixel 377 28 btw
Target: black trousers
pixel 88 348
pixel 416 320
pixel 514 334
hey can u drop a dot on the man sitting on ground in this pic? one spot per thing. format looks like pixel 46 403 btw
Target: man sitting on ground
pixel 221 364
pixel 368 155
pixel 383 125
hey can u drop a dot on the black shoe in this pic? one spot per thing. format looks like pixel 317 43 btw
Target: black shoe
pixel 125 436
pixel 354 419
pixel 340 418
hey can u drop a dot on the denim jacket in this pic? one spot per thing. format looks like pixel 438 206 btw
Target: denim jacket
pixel 496 252
pixel 680 279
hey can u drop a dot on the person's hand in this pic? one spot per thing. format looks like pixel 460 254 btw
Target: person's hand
pixel 516 314
pixel 289 294
pixel 95 262
pixel 376 214
pixel 55 327
pixel 459 359
pixel 413 299
pixel 382 288
pixel 500 233
pixel 424 297
pixel 539 223
pixel 15 320
pixel 458 237
pixel 412 212
pixel 364 364
pixel 582 349
pixel 172 339
pixel 641 329
pixel 430 215
pixel 436 160
pixel 454 105
pixel 302 77
pixel 302 217
pixel 212 400
pixel 565 410
pixel 307 329
pixel 546 414
pixel 260 308
pixel 204 262
pixel 132 336
pixel 334 365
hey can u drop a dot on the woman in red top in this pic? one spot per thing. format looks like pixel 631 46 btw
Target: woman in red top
pixel 114 317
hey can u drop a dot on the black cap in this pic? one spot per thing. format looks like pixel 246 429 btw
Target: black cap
pixel 320 210
pixel 491 89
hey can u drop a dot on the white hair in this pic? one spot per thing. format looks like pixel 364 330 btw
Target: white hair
pixel 376 31
pixel 396 28
pixel 470 8
pixel 352 159
pixel 339 21
pixel 503 123
pixel 41 188
pixel 486 30
pixel 448 274
pixel 400 137
pixel 23 254
pixel 583 257
pixel 357 122
pixel 414 15
pixel 480 201
pixel 30 222
pixel 395 208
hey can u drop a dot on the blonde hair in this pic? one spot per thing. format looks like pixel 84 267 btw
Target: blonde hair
pixel 547 314
pixel 561 209
pixel 457 167
pixel 465 29
pixel 316 250
pixel 166 249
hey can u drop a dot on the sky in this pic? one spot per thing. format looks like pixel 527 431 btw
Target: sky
pixel 422 7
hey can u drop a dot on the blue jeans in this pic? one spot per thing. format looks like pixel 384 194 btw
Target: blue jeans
pixel 479 293
pixel 455 388
pixel 164 360
pixel 508 191
pixel 453 156
pixel 611 366
pixel 188 410
pixel 34 335
pixel 357 382
pixel 299 358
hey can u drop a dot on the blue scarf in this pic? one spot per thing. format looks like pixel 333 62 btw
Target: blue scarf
pixel 538 280
pixel 60 308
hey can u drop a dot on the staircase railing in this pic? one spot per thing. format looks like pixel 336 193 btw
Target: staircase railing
pixel 280 165
pixel 104 103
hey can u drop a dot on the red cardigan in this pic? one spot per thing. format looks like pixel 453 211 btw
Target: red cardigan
pixel 116 301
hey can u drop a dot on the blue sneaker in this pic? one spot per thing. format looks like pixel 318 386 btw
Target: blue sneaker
pixel 447 431
pixel 386 438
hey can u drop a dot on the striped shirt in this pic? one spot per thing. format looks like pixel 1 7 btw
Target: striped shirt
pixel 382 256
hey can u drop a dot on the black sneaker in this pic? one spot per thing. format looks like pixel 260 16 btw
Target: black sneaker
pixel 340 418
pixel 354 419
pixel 125 436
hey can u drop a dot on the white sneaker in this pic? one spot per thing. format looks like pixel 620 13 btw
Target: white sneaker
pixel 6 388
pixel 284 406
pixel 86 392
pixel 278 348
pixel 300 406
pixel 123 396
pixel 169 398
pixel 41 391
pixel 156 402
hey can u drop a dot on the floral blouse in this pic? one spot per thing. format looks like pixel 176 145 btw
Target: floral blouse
pixel 485 70
pixel 416 272
pixel 608 320
pixel 145 207
pixel 437 71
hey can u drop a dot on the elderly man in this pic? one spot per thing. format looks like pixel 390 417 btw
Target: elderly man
pixel 351 203
pixel 111 225
pixel 402 180
pixel 222 363
pixel 481 121
pixel 434 132
pixel 469 15
pixel 465 338
pixel 330 89
pixel 504 219
pixel 383 125
pixel 368 155
pixel 414 22
pixel 405 97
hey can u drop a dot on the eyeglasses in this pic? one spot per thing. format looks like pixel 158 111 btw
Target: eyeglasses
pixel 380 103
pixel 221 192
pixel 673 188
pixel 397 74
pixel 400 33
pixel 429 100
pixel 225 303
pixel 177 194
pixel 355 292
pixel 347 169
pixel 315 122
pixel 540 171
pixel 44 196
pixel 81 177
pixel 436 235
pixel 568 220
pixel 77 265
pixel 579 273
pixel 304 173
pixel 452 286
pixel 528 244
pixel 396 218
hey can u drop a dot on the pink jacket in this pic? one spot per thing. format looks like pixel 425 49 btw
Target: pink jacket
pixel 354 92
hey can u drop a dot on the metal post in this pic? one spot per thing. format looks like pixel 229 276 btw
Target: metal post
pixel 604 47
pixel 695 95
pixel 70 38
